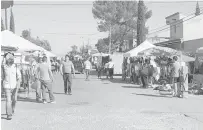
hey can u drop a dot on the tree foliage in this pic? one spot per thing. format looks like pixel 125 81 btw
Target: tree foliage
pixel 12 23
pixel 26 34
pixel 102 45
pixel 143 15
pixel 74 50
pixel 2 25
pixel 121 16
pixel 197 11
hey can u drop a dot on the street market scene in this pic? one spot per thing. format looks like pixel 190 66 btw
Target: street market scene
pixel 110 65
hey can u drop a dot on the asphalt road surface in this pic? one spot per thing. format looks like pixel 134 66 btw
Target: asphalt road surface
pixel 105 105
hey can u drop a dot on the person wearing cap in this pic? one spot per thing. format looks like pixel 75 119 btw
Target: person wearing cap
pixel 46 79
pixel 66 70
pixel 11 82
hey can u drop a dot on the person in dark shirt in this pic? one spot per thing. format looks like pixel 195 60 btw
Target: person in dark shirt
pixel 146 72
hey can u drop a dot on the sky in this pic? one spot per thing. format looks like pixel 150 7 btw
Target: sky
pixel 68 23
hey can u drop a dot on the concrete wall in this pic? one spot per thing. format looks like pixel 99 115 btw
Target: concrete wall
pixel 193 28
pixel 192 45
pixel 176 25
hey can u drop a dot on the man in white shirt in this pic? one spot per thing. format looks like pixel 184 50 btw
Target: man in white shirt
pixel 88 67
pixel 111 68
pixel 11 82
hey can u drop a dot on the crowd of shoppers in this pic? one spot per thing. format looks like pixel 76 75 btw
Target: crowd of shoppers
pixel 147 71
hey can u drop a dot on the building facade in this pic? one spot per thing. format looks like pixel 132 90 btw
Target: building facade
pixel 186 33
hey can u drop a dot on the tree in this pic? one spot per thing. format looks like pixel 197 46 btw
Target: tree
pixel 120 16
pixel 2 25
pixel 74 51
pixel 26 34
pixel 143 15
pixel 74 48
pixel 12 23
pixel 102 45
pixel 197 12
pixel 46 45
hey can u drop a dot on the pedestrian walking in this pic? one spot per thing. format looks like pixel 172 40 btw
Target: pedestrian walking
pixel 99 70
pixel 46 79
pixel 88 67
pixel 145 74
pixel 11 82
pixel 175 74
pixel 66 70
pixel 111 68
pixel 35 80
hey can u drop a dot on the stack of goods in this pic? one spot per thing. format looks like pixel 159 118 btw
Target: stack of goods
pixel 196 89
pixel 164 88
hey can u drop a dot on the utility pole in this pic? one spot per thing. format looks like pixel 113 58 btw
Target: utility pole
pixel 110 40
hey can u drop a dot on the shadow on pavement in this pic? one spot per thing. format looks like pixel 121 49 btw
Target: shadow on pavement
pixel 21 99
pixel 151 95
pixel 136 86
pixel 59 93
pixel 2 116
pixel 115 80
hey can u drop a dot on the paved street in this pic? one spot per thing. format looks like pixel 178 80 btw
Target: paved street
pixel 110 105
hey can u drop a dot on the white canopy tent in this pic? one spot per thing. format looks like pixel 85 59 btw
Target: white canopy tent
pixel 78 56
pixel 100 54
pixel 186 59
pixel 143 46
pixel 158 50
pixel 48 53
pixel 200 51
pixel 12 40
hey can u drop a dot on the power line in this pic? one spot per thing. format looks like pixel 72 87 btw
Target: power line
pixel 171 2
pixel 74 34
pixel 191 14
pixel 88 4
pixel 49 4
pixel 174 24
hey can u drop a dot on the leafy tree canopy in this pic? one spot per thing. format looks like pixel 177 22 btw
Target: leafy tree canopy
pixel 26 34
pixel 120 16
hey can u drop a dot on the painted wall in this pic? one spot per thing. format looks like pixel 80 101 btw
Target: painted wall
pixel 176 25
pixel 193 45
pixel 193 28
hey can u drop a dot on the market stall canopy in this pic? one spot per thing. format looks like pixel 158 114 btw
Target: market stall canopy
pixel 44 52
pixel 48 53
pixel 143 46
pixel 158 50
pixel 78 56
pixel 7 48
pixel 186 58
pixel 200 51
pixel 100 54
pixel 9 39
